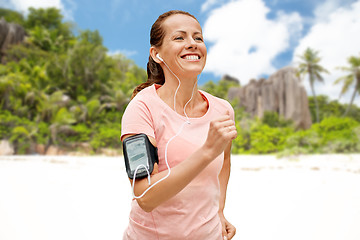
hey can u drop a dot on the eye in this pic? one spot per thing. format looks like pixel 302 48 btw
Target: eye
pixel 199 39
pixel 179 38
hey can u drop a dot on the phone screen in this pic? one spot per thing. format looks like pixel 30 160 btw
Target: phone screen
pixel 137 154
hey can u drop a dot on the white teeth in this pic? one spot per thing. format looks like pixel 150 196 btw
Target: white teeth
pixel 191 57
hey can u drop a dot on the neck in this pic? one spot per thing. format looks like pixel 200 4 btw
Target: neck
pixel 188 90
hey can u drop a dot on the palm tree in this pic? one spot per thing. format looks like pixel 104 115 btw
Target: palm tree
pixel 353 76
pixel 114 98
pixel 61 123
pixel 310 66
pixel 24 138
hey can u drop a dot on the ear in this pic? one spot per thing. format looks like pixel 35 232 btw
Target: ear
pixel 153 52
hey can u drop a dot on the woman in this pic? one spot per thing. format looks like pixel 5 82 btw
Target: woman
pixel 192 131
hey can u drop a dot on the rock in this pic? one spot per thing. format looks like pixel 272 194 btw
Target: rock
pixel 6 148
pixel 53 151
pixel 230 79
pixel 10 33
pixel 110 152
pixel 282 93
pixel 85 148
pixel 79 154
pixel 40 149
pixel 79 149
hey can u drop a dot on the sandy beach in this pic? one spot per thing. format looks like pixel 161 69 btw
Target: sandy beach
pixel 311 197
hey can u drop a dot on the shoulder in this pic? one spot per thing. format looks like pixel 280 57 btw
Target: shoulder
pixel 216 101
pixel 141 104
pixel 147 93
pixel 138 115
pixel 219 105
pixel 144 98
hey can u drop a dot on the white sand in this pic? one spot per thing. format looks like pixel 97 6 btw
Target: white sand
pixel 87 198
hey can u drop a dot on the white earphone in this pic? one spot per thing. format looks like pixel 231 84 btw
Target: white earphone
pixel 158 56
pixel 167 144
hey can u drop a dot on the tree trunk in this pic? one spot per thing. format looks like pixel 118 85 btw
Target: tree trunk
pixel 352 97
pixel 315 99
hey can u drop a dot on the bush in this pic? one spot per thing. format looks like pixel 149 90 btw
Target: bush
pixel 43 133
pixel 11 16
pixel 273 120
pixel 338 135
pixel 82 133
pixel 260 138
pixel 331 135
pixel 106 137
pixel 302 141
pixel 9 121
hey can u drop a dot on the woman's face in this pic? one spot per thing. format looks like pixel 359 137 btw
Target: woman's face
pixel 183 47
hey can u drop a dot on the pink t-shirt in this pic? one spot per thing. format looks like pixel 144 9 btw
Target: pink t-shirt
pixel 193 212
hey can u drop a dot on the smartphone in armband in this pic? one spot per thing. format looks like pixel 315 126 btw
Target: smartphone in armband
pixel 139 154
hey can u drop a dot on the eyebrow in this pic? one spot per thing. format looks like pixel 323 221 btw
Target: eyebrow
pixel 184 32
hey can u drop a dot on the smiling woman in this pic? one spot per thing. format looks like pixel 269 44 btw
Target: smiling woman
pixel 184 197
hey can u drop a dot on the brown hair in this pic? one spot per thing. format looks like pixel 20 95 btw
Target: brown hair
pixel 157 34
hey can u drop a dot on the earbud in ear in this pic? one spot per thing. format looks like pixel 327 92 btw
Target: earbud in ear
pixel 158 56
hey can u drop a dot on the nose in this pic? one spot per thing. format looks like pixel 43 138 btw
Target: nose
pixel 191 43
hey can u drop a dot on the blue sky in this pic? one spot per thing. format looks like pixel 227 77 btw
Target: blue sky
pixel 245 38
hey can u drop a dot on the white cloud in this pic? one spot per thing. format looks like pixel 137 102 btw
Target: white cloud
pixel 23 6
pixel 125 52
pixel 327 7
pixel 208 4
pixel 244 41
pixel 336 35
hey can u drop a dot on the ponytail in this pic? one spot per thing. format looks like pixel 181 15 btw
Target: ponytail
pixel 155 75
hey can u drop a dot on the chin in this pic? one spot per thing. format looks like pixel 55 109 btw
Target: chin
pixel 194 70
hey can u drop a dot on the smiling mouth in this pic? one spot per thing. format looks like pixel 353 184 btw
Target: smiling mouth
pixel 191 57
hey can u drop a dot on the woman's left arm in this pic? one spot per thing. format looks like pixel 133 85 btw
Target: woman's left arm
pixel 228 229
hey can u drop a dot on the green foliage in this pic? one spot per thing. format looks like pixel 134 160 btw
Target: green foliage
pixel 219 89
pixel 57 88
pixel 47 31
pixel 43 133
pixel 310 66
pixel 107 137
pixel 11 16
pixel 22 138
pixel 272 119
pixel 22 132
pixel 82 133
pixel 63 117
pixel 260 138
pixel 332 129
pixel 352 79
pixel 331 135
pixel 7 123
pixel 50 19
pixel 329 108
pixel 307 141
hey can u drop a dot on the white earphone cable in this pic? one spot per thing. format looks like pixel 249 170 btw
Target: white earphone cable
pixel 167 144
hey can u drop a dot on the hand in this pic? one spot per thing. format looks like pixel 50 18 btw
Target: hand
pixel 221 132
pixel 228 230
pixel 155 170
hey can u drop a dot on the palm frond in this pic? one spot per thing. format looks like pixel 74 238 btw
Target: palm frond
pixel 348 80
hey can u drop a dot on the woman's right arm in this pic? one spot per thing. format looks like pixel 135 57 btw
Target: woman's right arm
pixel 221 132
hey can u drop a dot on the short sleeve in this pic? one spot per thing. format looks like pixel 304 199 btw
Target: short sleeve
pixel 231 111
pixel 137 118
